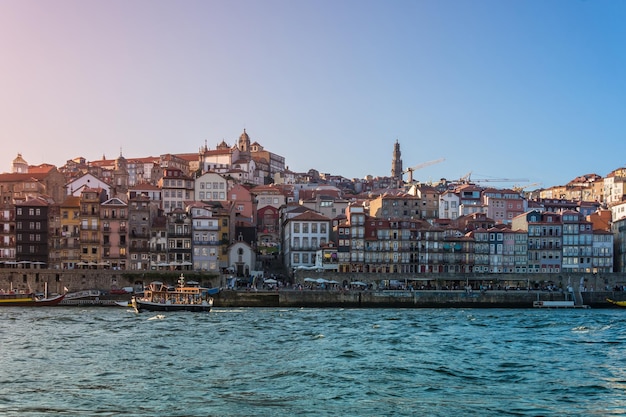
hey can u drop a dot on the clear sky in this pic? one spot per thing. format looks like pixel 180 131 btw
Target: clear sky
pixel 520 89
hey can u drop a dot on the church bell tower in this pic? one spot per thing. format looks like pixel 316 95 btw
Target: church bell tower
pixel 396 163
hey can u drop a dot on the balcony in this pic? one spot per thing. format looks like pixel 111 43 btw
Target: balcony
pixel 68 245
pixel 207 242
pixel 90 240
pixel 183 234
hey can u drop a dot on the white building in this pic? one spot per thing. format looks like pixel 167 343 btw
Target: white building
pixel 76 187
pixel 241 258
pixel 205 230
pixel 211 187
pixel 303 236
pixel 449 203
pixel 177 189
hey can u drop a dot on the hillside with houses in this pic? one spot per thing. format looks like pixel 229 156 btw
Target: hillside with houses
pixel 239 209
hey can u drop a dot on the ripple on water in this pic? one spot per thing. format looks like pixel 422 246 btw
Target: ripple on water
pixel 327 362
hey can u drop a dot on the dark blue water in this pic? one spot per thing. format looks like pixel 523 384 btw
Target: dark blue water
pixel 308 362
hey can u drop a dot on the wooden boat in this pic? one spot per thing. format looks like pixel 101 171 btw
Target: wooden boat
pixel 127 304
pixel 28 300
pixel 617 303
pixel 185 297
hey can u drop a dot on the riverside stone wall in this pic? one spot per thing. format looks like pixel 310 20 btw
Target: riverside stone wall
pixel 105 279
pixel 405 299
pixel 89 279
pixel 591 281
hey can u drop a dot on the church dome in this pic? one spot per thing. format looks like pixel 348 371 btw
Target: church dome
pixel 19 160
pixel 19 165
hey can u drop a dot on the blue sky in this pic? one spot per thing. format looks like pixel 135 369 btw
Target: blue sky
pixel 527 89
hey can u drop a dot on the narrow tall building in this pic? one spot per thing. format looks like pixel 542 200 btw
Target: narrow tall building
pixel 396 163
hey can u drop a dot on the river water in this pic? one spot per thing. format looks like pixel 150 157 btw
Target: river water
pixel 312 362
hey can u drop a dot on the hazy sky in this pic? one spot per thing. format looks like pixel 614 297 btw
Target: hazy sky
pixel 514 89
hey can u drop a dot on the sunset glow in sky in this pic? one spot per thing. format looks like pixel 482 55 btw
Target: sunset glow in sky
pixel 530 89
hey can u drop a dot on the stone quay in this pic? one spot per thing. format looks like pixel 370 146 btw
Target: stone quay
pixel 468 290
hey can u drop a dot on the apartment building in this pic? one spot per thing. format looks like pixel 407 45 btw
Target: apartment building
pixel 141 211
pixel 179 236
pixel 90 231
pixel 503 205
pixel 31 232
pixel 602 252
pixel 304 234
pixel 545 240
pixel 177 188
pixel 114 231
pixel 211 186
pixel 158 242
pixel 577 243
pixel 206 243
pixel 7 232
pixel 69 244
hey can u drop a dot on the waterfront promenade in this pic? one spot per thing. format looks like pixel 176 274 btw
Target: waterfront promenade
pixel 465 293
pixel 408 299
pixel 316 298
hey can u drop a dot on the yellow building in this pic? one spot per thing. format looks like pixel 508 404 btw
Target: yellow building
pixel 90 239
pixel 69 242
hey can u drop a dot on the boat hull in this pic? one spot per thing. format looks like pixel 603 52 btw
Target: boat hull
pixel 27 300
pixel 617 303
pixel 124 303
pixel 150 306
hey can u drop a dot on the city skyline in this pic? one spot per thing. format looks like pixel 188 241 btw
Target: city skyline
pixel 510 90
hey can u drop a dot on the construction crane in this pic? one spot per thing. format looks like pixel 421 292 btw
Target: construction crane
pixel 467 179
pixel 420 166
pixel 500 180
pixel 520 188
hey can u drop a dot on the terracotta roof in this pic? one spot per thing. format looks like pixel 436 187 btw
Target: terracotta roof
pixel 188 156
pixel 217 152
pixel 40 169
pixel 71 200
pixel 310 215
pixel 33 202
pixel 145 186
pixel 14 176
